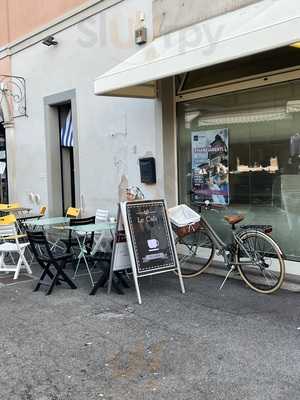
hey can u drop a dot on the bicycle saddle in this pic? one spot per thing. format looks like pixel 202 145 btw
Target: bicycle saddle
pixel 234 219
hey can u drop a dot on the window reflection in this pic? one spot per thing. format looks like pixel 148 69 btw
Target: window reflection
pixel 263 128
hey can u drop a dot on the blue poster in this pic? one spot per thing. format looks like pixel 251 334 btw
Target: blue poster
pixel 210 166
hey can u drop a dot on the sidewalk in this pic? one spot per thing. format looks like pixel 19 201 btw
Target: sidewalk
pixel 207 344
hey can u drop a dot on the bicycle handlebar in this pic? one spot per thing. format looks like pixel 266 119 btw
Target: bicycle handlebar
pixel 207 205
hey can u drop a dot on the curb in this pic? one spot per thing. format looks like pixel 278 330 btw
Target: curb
pixel 291 282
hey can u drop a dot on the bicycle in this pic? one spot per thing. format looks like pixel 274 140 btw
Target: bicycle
pixel 252 252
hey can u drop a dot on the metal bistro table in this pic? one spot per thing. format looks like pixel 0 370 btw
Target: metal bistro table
pixel 15 210
pixel 82 232
pixel 48 222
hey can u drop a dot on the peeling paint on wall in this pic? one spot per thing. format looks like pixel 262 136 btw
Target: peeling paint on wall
pixel 122 188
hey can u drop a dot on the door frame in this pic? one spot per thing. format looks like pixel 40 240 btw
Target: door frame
pixel 71 164
pixel 52 142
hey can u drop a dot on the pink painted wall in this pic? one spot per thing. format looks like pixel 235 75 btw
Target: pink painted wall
pixel 28 15
pixel 3 22
pixel 20 17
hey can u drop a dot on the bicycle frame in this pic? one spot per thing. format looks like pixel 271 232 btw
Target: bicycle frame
pixel 218 242
pixel 223 247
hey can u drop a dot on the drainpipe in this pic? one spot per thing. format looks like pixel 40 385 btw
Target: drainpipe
pixel 8 123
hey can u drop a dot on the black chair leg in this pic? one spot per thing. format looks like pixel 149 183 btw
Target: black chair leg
pixel 63 275
pixel 116 285
pixel 45 272
pixel 100 283
pixel 123 279
pixel 53 283
pixel 66 279
pixel 37 286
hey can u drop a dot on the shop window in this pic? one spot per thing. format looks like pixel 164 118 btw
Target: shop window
pixel 243 150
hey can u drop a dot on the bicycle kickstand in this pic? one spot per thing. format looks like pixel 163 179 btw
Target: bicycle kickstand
pixel 227 276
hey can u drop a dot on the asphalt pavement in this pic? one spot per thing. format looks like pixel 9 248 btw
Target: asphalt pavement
pixel 206 344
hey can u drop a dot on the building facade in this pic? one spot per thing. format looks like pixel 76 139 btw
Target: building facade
pixel 225 72
pixel 109 135
pixel 212 95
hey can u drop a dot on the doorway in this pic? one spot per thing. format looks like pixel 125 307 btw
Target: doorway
pixel 63 169
pixel 66 140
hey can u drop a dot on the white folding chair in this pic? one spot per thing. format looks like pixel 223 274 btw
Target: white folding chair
pixel 11 244
pixel 101 216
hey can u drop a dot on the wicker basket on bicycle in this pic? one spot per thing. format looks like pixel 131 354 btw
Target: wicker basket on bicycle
pixel 184 220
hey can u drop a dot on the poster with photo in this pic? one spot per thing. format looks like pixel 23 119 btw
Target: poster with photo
pixel 210 166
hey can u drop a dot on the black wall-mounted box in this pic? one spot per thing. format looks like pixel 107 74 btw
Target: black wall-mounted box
pixel 148 170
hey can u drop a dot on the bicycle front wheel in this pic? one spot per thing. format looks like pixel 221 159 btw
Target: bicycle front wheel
pixel 195 253
pixel 260 262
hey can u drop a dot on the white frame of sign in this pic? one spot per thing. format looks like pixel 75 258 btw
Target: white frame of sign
pixel 123 220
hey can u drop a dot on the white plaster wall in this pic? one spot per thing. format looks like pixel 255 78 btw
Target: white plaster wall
pixel 171 15
pixel 113 133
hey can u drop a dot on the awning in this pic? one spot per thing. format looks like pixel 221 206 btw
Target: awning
pixel 263 26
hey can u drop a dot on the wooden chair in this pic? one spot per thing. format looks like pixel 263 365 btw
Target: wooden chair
pixel 52 265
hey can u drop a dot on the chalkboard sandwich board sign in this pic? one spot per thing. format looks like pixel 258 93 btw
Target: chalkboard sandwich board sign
pixel 151 237
pixel 150 241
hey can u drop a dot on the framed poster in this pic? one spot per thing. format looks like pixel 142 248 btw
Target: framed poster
pixel 210 166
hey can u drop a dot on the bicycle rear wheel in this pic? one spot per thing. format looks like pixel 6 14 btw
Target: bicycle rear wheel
pixel 260 262
pixel 195 253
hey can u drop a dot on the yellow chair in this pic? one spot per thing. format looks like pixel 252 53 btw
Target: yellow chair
pixel 12 206
pixel 43 211
pixel 72 212
pixel 8 219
